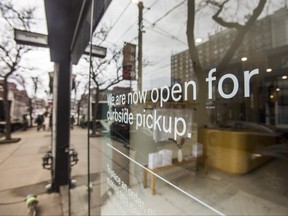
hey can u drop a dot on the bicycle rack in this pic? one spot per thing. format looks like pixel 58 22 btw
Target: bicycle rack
pixel 47 163
pixel 47 159
pixel 73 157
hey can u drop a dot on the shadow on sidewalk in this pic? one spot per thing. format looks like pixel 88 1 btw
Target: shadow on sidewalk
pixel 12 201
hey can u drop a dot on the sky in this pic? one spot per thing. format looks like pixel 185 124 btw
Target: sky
pixel 166 37
pixel 38 58
pixel 159 41
pixel 168 34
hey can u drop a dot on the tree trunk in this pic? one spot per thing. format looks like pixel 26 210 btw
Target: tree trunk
pixel 30 112
pixel 7 111
pixel 95 113
pixel 200 115
pixel 78 113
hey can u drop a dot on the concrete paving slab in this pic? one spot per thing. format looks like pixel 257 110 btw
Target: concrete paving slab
pixel 21 173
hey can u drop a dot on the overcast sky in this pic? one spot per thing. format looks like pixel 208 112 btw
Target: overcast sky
pixel 168 35
pixel 159 41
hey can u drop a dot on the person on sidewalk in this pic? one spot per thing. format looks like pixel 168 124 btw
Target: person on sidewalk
pixel 72 121
pixel 39 121
pixel 24 122
pixel 50 120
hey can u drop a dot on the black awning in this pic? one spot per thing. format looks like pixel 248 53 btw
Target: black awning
pixel 68 23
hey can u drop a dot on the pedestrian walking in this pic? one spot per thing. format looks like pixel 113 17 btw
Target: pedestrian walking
pixel 72 121
pixel 39 121
pixel 50 121
pixel 24 122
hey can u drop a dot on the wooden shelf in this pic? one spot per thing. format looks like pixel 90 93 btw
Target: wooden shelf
pixel 175 163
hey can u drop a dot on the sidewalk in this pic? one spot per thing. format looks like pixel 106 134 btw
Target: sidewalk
pixel 22 174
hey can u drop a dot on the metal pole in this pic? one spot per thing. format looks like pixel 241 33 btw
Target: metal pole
pixel 61 125
pixel 140 20
pixel 89 110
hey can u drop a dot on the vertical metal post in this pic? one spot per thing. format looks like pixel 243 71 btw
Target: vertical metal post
pixel 61 125
pixel 89 109
pixel 140 25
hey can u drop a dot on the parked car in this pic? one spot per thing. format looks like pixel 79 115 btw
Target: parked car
pixel 121 132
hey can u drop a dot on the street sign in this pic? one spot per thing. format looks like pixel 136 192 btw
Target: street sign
pixel 129 61
pixel 97 51
pixel 41 40
pixel 30 38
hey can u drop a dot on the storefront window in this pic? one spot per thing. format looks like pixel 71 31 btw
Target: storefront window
pixel 206 136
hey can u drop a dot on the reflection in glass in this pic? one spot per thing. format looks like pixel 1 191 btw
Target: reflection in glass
pixel 203 93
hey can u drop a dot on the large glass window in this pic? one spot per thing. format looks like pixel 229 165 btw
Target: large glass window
pixel 211 140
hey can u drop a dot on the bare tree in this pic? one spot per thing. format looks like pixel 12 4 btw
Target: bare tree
pixel 241 31
pixel 10 52
pixel 82 94
pixel 105 72
pixel 103 82
pixel 25 85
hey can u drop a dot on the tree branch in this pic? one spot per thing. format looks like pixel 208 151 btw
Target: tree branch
pixel 240 36
pixel 193 51
pixel 25 16
pixel 219 20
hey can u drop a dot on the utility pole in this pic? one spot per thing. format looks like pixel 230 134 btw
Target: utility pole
pixel 140 26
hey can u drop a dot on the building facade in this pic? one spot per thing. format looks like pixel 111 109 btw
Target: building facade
pixel 268 35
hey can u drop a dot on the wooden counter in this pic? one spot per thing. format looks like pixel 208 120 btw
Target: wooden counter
pixel 232 151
